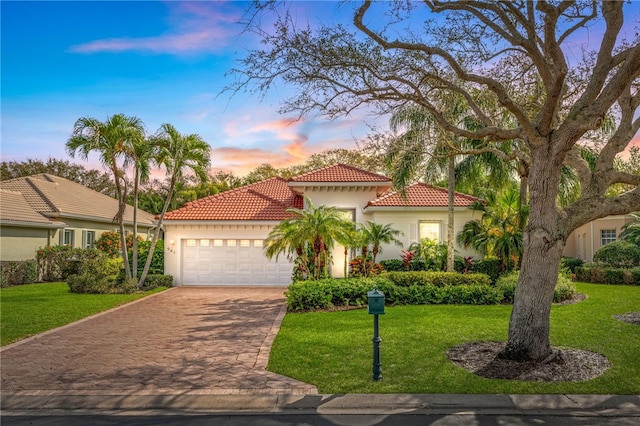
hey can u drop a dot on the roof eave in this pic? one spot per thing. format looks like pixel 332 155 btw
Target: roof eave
pixel 412 208
pixel 24 224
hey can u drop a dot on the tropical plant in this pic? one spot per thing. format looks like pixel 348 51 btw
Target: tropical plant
pixel 111 140
pixel 311 229
pixel 376 234
pixel 631 231
pixel 498 233
pixel 178 154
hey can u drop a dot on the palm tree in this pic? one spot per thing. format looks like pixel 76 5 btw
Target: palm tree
pixel 110 140
pixel 177 153
pixel 313 229
pixel 631 231
pixel 141 153
pixel 498 233
pixel 376 234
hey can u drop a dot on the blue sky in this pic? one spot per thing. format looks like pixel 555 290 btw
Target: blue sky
pixel 159 61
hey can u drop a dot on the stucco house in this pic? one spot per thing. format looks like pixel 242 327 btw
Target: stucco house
pixel 218 240
pixel 43 209
pixel 587 239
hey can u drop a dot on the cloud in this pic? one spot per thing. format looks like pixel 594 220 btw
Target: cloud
pixel 195 27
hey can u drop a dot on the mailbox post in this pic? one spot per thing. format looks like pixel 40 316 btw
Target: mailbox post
pixel 376 307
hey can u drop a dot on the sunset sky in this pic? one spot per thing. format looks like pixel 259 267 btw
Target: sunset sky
pixel 161 62
pixel 158 61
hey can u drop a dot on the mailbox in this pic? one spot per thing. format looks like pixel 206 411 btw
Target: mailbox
pixel 376 302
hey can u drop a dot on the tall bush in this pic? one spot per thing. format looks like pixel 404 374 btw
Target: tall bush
pixel 18 272
pixel 619 254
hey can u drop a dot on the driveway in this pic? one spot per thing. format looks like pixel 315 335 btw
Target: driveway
pixel 187 340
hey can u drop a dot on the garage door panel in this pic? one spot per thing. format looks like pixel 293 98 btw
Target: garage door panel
pixel 231 262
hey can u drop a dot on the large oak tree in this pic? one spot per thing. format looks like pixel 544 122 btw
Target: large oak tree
pixel 524 58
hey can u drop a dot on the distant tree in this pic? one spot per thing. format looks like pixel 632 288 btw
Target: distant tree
pixel 90 178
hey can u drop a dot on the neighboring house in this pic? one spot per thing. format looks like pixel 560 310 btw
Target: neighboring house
pixel 587 239
pixel 218 240
pixel 43 209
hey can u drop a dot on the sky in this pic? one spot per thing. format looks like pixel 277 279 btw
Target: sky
pixel 160 61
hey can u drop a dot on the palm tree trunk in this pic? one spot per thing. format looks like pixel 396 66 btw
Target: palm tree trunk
pixel 451 188
pixel 122 204
pixel 156 235
pixel 134 243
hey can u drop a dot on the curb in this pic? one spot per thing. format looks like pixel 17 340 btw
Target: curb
pixel 564 405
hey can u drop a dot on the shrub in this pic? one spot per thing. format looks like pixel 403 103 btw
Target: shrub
pixel 571 263
pixel 619 254
pixel 490 267
pixel 18 272
pixel 506 286
pixel 99 275
pixel 598 274
pixel 438 279
pixel 157 260
pixel 158 280
pixel 331 292
pixel 393 265
pixel 358 264
pixel 109 242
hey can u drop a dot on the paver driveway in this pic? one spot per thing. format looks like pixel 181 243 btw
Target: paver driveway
pixel 187 340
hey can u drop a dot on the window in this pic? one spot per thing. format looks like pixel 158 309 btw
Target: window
pixel 231 243
pixel 217 243
pixel 204 243
pixel 88 238
pixel 257 243
pixel 430 230
pixel 245 243
pixel 607 236
pixel 68 237
pixel 191 243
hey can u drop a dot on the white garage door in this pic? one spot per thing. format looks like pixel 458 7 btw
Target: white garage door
pixel 231 261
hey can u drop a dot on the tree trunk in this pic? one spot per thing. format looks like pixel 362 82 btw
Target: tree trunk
pixel 529 323
pixel 156 235
pixel 450 220
pixel 122 205
pixel 134 243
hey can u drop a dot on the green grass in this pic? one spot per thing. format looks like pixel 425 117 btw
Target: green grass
pixel 33 308
pixel 333 350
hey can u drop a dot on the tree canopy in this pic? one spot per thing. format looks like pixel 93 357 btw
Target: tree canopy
pixel 524 73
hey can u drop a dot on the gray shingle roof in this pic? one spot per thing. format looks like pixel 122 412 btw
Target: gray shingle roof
pixel 15 209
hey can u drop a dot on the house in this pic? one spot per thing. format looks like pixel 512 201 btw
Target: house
pixel 218 240
pixel 43 209
pixel 585 241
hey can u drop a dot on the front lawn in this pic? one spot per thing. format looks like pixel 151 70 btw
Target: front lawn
pixel 33 308
pixel 333 350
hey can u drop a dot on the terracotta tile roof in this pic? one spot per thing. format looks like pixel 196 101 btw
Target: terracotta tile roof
pixel 422 195
pixel 15 209
pixel 265 200
pixel 341 173
pixel 54 196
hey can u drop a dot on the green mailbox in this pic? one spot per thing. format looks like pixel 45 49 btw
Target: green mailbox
pixel 376 302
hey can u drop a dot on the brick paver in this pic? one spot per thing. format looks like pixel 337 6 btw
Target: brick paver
pixel 187 340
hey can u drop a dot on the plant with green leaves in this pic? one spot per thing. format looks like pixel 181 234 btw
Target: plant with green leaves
pixel 179 154
pixel 631 231
pixel 111 140
pixel 311 228
pixel 498 233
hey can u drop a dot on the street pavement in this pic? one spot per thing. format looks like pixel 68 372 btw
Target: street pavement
pixel 198 356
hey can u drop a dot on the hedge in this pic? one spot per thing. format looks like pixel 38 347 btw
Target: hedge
pixel 564 290
pixel 18 272
pixel 331 292
pixel 598 274
pixel 438 279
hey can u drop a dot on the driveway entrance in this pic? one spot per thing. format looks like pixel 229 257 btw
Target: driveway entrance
pixel 187 340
